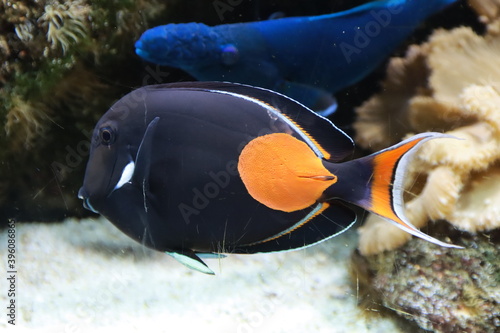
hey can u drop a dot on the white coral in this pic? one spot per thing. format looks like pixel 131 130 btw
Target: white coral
pixel 462 177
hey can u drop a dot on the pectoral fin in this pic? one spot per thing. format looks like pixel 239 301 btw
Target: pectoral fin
pixel 143 158
pixel 143 161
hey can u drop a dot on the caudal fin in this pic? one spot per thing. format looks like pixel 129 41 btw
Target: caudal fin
pixel 386 195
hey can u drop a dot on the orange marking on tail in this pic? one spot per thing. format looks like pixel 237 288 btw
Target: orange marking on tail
pixel 384 167
pixel 283 172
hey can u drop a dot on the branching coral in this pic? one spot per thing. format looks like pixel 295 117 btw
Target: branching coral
pixel 488 10
pixel 389 111
pixel 449 179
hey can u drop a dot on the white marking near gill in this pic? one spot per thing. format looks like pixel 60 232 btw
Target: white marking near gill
pixel 127 173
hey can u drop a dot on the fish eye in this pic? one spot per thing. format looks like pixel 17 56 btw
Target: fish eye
pixel 107 136
pixel 230 55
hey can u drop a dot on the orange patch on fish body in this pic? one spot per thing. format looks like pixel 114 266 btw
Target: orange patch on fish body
pixel 283 172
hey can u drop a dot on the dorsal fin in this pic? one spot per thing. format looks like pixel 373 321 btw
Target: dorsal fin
pixel 333 140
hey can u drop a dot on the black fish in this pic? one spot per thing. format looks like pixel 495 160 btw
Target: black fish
pixel 209 168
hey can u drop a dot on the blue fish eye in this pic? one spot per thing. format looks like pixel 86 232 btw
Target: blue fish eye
pixel 230 55
pixel 107 136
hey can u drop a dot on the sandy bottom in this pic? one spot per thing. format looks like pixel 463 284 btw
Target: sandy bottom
pixel 86 276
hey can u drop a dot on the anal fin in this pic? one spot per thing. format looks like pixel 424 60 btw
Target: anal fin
pixel 324 221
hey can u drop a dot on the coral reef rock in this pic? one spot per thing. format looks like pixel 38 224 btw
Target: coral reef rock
pixel 440 289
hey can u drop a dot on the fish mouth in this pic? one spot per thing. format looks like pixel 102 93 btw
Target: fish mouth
pixel 82 194
pixel 88 206
pixel 145 55
pixel 140 51
pixel 144 52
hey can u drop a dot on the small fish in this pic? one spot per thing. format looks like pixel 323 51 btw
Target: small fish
pixel 305 58
pixel 198 169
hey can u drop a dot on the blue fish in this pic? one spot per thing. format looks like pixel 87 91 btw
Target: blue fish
pixel 305 58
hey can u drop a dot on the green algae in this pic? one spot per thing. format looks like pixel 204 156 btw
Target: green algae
pixel 60 62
